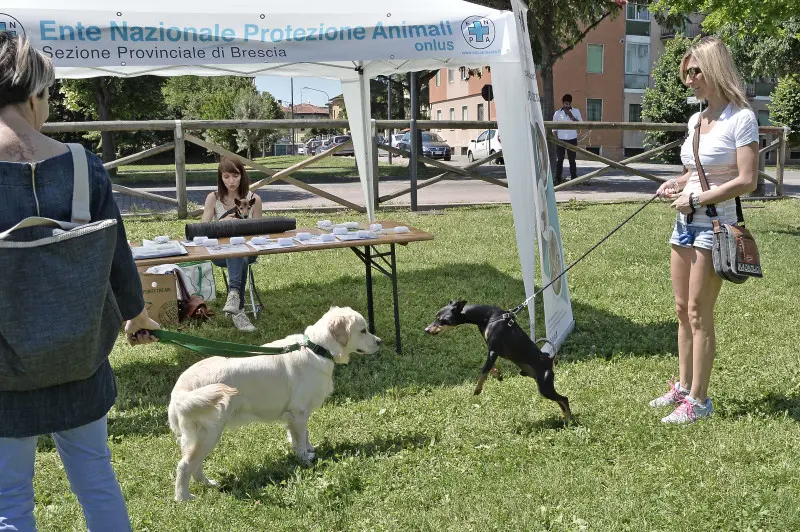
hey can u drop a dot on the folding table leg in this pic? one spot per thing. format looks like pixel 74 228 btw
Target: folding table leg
pixel 370 302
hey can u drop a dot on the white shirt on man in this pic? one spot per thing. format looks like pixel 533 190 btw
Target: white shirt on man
pixel 562 116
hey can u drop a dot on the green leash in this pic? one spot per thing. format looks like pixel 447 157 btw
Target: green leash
pixel 230 349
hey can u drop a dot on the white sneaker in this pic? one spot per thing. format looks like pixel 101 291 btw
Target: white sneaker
pixel 232 303
pixel 690 410
pixel 243 323
pixel 674 395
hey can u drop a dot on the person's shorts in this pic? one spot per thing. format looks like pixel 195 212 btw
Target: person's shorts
pixel 702 236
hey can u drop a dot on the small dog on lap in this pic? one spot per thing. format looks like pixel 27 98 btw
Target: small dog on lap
pixel 504 338
pixel 218 393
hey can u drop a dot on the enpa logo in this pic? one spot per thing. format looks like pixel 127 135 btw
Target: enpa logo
pixel 478 32
pixel 10 25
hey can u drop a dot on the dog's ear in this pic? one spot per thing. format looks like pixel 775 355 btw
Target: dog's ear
pixel 252 201
pixel 458 306
pixel 339 329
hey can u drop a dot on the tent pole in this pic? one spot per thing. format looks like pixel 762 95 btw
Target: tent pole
pixel 412 164
pixel 291 88
pixel 389 117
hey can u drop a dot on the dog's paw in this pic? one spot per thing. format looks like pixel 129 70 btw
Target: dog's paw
pixel 307 457
pixel 210 482
pixel 184 498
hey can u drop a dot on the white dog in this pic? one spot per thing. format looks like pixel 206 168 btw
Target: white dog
pixel 221 392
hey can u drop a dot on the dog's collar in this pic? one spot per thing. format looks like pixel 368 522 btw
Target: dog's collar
pixel 316 348
pixel 507 316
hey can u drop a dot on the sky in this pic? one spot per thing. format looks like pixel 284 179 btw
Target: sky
pixel 279 87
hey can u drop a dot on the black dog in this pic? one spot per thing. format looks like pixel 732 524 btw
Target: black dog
pixel 504 338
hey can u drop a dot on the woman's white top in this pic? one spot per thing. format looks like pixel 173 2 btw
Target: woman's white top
pixel 736 127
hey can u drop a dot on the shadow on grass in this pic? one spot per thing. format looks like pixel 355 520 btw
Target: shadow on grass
pixel 450 359
pixel 249 482
pixel 771 404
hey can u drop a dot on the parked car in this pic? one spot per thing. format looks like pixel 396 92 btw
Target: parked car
pixel 395 139
pixel 302 150
pixel 341 139
pixel 311 146
pixel 322 147
pixel 433 146
pixel 487 143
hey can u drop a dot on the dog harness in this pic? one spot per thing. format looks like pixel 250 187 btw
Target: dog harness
pixel 231 349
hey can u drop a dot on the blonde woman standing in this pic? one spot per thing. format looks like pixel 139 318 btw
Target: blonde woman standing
pixel 729 155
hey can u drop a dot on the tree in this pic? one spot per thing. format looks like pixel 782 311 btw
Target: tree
pixel 752 17
pixel 666 102
pixel 110 98
pixel 208 98
pixel 784 109
pixel 255 106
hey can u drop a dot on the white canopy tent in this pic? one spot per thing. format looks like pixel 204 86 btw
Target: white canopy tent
pixel 356 42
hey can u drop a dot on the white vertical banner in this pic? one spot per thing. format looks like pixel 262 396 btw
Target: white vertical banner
pixel 530 181
pixel 356 99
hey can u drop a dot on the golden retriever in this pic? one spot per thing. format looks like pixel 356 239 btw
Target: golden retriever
pixel 218 392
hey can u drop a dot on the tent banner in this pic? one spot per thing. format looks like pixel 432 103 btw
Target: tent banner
pixel 559 320
pixel 83 38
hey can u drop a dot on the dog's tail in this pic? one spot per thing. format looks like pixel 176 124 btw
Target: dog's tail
pixel 202 406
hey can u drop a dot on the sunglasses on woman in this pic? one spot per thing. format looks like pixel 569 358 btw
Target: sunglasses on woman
pixel 691 72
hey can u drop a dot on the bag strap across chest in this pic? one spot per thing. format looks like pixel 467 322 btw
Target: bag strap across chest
pixel 711 209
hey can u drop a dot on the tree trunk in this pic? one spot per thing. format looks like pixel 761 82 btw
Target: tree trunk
pixel 103 95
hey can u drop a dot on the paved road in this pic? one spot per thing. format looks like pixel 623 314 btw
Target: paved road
pixel 614 186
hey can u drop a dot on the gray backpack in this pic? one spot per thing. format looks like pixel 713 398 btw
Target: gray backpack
pixel 57 302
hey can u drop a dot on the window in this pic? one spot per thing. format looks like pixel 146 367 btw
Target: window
pixel 763 118
pixel 464 73
pixel 635 112
pixel 594 60
pixel 450 75
pixel 594 109
pixel 439 78
pixel 482 136
pixel 593 149
pixel 439 114
pixel 637 65
pixel 635 11
pixel 464 113
pixel 452 113
pixel 480 112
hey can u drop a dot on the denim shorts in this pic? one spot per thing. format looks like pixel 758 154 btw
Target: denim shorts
pixel 702 236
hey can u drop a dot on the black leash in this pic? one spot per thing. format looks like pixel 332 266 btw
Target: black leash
pixel 516 310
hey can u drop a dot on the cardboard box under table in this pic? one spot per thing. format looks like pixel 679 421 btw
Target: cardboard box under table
pixel 383 261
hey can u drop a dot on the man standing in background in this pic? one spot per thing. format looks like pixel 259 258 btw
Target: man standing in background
pixel 567 113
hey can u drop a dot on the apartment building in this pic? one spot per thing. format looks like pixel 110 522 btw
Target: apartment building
pixel 304 111
pixel 606 74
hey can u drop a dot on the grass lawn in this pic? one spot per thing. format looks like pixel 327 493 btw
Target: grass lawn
pixel 326 170
pixel 402 443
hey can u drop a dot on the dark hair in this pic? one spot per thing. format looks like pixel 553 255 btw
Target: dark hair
pixel 567 98
pixel 229 165
pixel 24 71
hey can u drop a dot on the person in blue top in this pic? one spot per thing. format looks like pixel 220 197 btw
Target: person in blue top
pixel 36 177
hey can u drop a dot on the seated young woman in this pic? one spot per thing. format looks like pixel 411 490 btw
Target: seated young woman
pixel 233 185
